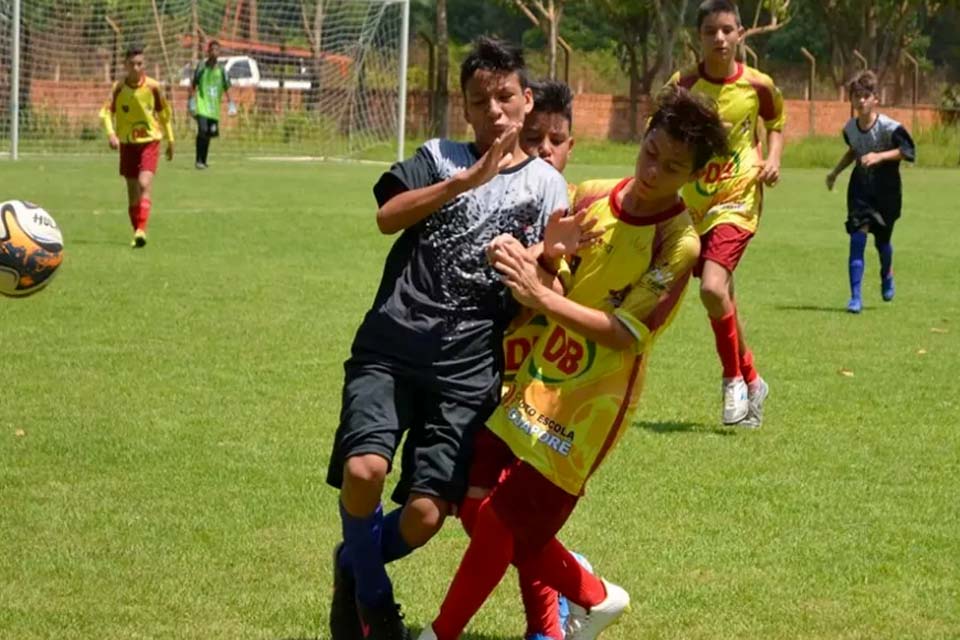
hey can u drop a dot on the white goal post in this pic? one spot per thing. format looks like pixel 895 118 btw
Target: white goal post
pixel 310 77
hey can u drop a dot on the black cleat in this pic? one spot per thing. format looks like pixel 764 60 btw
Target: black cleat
pixel 383 623
pixel 344 620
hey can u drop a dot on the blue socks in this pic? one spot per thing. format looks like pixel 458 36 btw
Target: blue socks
pixel 392 545
pixel 362 540
pixel 886 259
pixel 858 243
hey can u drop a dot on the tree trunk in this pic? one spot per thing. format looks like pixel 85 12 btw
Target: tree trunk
pixel 441 94
pixel 634 91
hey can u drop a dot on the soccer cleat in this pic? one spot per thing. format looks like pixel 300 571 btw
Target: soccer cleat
pixel 139 239
pixel 756 394
pixel 201 165
pixel 886 288
pixel 601 616
pixel 536 636
pixel 382 623
pixel 855 305
pixel 570 613
pixel 735 403
pixel 344 621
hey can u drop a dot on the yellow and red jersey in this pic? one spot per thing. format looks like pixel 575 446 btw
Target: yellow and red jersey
pixel 572 398
pixel 728 191
pixel 524 331
pixel 142 114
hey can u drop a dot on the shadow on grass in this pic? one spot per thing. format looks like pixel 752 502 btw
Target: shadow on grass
pixel 686 427
pixel 812 307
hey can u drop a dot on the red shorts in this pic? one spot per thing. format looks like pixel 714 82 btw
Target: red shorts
pixel 724 244
pixel 532 507
pixel 135 158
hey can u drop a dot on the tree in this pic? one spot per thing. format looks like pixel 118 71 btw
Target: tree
pixel 647 33
pixel 441 92
pixel 880 30
pixel 551 12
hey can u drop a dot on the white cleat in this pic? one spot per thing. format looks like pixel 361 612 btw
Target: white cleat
pixel 601 616
pixel 427 634
pixel 756 394
pixel 736 403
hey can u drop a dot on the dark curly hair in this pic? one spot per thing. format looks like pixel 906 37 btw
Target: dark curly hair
pixel 692 120
pixel 490 54
pixel 864 83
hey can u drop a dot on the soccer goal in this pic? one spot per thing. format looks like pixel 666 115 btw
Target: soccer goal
pixel 309 77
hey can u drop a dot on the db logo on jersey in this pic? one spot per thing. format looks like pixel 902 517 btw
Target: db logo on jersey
pixel 567 354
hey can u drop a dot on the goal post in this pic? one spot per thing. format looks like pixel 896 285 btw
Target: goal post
pixel 309 77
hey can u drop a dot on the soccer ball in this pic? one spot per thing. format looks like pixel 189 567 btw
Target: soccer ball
pixel 31 248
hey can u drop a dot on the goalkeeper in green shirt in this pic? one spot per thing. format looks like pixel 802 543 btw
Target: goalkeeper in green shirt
pixel 207 88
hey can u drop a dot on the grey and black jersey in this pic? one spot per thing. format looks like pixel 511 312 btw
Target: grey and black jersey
pixel 876 192
pixel 438 295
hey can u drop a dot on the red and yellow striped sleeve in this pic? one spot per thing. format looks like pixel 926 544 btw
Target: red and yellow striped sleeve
pixel 769 99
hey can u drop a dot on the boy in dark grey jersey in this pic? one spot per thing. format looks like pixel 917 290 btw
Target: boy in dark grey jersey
pixel 874 196
pixel 427 356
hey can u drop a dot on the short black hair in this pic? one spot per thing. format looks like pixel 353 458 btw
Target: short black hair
pixel 692 120
pixel 864 83
pixel 553 96
pixel 212 43
pixel 710 7
pixel 490 54
pixel 134 49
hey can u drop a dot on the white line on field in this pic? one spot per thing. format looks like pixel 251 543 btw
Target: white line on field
pixel 377 163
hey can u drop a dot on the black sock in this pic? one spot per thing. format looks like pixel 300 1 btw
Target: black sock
pixel 203 146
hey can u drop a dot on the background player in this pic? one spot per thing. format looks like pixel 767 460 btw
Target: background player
pixel 877 144
pixel 208 86
pixel 143 118
pixel 726 200
pixel 575 392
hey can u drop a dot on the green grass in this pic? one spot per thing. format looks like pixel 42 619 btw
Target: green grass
pixel 168 413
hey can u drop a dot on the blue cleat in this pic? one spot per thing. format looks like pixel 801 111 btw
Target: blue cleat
pixel 886 288
pixel 855 305
pixel 540 636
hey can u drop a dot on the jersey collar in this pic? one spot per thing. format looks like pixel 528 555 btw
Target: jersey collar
pixel 728 80
pixel 641 221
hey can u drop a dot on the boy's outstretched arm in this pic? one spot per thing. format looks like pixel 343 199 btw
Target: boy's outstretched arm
pixel 848 158
pixel 410 207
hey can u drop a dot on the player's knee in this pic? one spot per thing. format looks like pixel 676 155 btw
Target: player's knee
pixel 422 518
pixel 366 470
pixel 714 292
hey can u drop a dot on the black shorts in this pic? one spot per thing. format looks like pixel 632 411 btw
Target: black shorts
pixel 207 127
pixel 877 223
pixel 383 400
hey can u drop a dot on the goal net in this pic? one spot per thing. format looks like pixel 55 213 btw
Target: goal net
pixel 309 77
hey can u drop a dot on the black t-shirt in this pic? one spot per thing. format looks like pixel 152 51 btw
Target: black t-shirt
pixel 877 188
pixel 439 302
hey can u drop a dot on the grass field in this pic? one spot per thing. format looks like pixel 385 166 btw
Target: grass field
pixel 167 416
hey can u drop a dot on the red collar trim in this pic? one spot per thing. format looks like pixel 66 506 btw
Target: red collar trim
pixel 641 221
pixel 728 80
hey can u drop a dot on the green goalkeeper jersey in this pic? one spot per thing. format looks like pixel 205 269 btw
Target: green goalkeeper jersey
pixel 210 84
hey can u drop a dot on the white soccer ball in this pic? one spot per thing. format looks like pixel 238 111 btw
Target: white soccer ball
pixel 31 248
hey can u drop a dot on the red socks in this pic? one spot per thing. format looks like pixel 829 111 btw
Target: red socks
pixel 728 344
pixel 481 570
pixel 540 606
pixel 139 214
pixel 746 367
pixel 557 567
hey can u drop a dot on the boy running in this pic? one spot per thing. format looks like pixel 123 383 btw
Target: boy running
pixel 143 118
pixel 575 392
pixel 874 195
pixel 208 86
pixel 427 356
pixel 726 200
